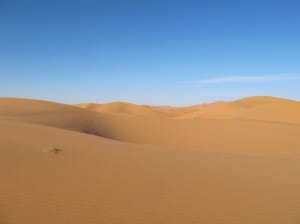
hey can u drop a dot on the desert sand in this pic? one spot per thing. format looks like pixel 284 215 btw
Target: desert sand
pixel 227 162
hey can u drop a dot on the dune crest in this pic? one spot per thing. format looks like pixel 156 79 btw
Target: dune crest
pixel 130 109
pixel 262 108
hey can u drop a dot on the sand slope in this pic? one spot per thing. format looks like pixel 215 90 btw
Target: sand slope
pixel 185 178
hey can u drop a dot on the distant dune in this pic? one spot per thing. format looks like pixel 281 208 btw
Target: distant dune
pixel 254 108
pixel 226 162
pixel 131 109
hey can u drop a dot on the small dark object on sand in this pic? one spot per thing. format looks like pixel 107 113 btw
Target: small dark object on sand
pixel 55 150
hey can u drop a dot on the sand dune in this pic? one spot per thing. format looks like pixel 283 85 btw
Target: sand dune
pixel 222 135
pixel 130 109
pixel 254 108
pixel 63 164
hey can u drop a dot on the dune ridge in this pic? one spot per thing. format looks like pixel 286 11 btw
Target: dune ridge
pixel 112 168
pixel 125 108
pixel 255 108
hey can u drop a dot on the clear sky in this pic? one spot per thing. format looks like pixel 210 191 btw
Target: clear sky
pixel 149 51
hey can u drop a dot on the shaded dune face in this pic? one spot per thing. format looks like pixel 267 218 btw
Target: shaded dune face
pixel 63 164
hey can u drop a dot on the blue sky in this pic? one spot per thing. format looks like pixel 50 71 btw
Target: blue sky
pixel 152 52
